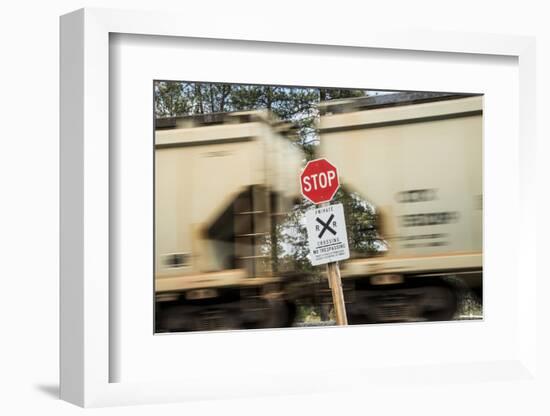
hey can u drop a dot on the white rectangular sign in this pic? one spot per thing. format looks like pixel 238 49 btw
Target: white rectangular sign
pixel 326 232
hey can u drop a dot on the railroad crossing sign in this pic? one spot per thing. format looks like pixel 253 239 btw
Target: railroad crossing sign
pixel 319 181
pixel 326 227
pixel 327 237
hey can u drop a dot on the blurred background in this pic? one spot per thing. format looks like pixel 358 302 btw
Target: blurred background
pixel 230 241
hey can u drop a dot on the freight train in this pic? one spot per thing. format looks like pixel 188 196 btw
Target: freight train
pixel 222 182
pixel 417 157
pixel 226 182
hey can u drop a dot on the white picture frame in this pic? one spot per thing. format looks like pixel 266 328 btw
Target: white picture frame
pixel 85 213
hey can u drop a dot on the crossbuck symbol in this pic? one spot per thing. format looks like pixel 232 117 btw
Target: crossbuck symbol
pixel 326 225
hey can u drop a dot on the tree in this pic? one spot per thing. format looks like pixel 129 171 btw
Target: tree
pixel 171 98
pixel 360 217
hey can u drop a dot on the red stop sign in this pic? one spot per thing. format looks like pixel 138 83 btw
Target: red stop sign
pixel 319 181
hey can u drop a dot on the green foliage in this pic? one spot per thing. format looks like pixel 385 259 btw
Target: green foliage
pixel 360 223
pixel 293 237
pixel 305 312
pixel 171 99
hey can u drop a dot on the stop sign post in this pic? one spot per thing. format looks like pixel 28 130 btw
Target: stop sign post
pixel 319 183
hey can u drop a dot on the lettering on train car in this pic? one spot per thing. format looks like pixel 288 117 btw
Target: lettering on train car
pixel 429 218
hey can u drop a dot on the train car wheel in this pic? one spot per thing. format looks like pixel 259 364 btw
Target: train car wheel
pixel 441 303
